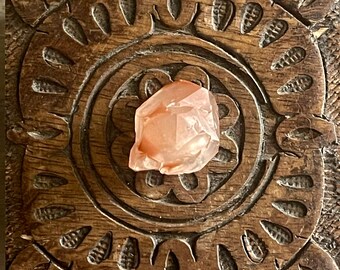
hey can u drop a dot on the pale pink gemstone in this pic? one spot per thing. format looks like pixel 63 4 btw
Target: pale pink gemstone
pixel 177 130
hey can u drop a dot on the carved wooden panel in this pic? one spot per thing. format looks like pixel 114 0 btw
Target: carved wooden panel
pixel 77 70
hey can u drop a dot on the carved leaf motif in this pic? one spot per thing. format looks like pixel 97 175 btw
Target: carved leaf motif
pixel 223 155
pixel 299 84
pixel 296 181
pixel 48 181
pixel 48 86
pixel 101 16
pixel 304 267
pixel 189 181
pixel 154 178
pixel 254 247
pixel 74 30
pixel 54 57
pixel 274 30
pixel 128 8
pixel 291 208
pixel 222 14
pixel 101 251
pixel 171 262
pixel 45 134
pixel 215 180
pixel 73 239
pixel 291 57
pixel 305 3
pixel 129 255
pixel 174 8
pixel 152 86
pixel 304 134
pixel 53 212
pixel 42 266
pixel 251 16
pixel 280 234
pixel 224 259
pixel 223 111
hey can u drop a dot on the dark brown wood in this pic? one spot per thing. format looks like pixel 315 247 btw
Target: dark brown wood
pixel 77 70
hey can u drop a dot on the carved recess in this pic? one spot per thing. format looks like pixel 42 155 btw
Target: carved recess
pixel 88 67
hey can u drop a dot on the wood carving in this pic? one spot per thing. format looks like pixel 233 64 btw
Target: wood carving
pixel 76 71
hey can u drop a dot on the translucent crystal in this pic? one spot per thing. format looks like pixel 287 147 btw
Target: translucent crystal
pixel 177 130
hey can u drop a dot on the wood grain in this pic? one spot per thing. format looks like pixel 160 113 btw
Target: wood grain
pixel 77 70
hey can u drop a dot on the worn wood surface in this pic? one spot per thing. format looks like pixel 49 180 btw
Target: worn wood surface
pixel 77 70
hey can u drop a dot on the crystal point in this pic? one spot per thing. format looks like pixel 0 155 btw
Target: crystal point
pixel 177 130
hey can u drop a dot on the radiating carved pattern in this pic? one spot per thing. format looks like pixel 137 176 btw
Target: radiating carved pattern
pixel 149 84
pixel 222 14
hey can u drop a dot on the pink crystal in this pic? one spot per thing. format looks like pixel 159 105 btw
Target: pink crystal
pixel 177 130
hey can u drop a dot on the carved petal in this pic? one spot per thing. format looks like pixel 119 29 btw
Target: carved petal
pixel 48 86
pixel 174 7
pixel 280 234
pixel 42 266
pixel 44 134
pixel 254 247
pixel 73 29
pixel 189 181
pixel 296 181
pixel 154 178
pixel 305 3
pixel 274 30
pixel 304 267
pixel 53 212
pixel 48 181
pixel 251 16
pixel 224 259
pixel 291 57
pixel 54 57
pixel 291 208
pixel 129 255
pixel 73 239
pixel 101 251
pixel 101 16
pixel 128 8
pixel 298 84
pixel 222 14
pixel 304 134
pixel 171 262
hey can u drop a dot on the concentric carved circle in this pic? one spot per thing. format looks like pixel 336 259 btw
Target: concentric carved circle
pixel 267 175
pixel 233 83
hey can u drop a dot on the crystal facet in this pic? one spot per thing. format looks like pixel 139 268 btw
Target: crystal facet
pixel 177 130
